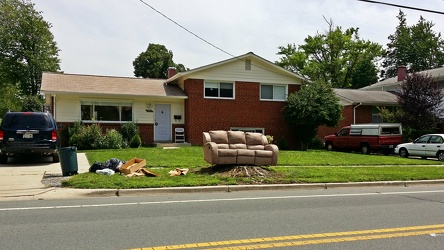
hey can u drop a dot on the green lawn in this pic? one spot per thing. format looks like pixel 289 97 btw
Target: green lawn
pixel 311 166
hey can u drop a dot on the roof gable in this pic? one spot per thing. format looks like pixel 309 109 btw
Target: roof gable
pixel 248 67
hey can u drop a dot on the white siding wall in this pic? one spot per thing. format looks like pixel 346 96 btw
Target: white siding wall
pixel 236 72
pixel 68 107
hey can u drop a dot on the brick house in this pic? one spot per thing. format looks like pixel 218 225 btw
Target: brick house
pixel 241 93
pixel 360 106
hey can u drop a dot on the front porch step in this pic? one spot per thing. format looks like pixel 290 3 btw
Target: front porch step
pixel 171 144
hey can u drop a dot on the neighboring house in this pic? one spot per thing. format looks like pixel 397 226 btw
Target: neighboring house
pixel 392 84
pixel 242 93
pixel 360 106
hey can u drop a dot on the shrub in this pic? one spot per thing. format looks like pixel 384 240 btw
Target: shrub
pixel 86 137
pixel 129 130
pixel 112 139
pixel 135 141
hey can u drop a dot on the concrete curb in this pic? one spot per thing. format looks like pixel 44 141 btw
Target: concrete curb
pixel 234 188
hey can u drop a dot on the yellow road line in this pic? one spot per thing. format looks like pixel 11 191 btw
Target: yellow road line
pixel 305 238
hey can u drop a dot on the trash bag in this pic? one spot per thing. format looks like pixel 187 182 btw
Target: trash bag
pixel 113 164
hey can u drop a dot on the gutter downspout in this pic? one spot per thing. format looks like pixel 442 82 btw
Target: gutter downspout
pixel 53 100
pixel 354 112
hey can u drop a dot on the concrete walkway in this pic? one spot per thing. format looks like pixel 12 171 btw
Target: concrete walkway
pixel 21 178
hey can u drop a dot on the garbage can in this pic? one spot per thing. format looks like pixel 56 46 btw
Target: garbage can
pixel 68 160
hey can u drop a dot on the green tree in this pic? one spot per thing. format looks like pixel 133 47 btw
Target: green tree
pixel 9 99
pixel 154 62
pixel 27 46
pixel 314 105
pixel 417 47
pixel 32 104
pixel 337 57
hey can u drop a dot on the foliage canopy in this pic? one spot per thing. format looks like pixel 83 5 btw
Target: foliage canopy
pixel 417 47
pixel 27 46
pixel 337 57
pixel 154 62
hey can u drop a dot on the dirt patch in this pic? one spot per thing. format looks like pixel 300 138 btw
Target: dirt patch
pixel 238 171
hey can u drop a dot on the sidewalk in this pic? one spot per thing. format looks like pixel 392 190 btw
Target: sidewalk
pixel 21 179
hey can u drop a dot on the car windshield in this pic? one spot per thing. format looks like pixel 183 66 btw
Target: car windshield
pixel 20 121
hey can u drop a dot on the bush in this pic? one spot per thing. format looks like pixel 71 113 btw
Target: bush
pixel 135 141
pixel 86 137
pixel 129 130
pixel 112 139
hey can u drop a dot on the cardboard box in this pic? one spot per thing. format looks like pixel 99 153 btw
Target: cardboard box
pixel 132 166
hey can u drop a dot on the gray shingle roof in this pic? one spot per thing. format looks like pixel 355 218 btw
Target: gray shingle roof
pixel 53 83
pixel 366 97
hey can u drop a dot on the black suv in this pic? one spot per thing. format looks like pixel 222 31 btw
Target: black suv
pixel 24 133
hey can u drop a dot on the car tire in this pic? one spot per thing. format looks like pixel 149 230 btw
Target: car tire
pixel 3 159
pixel 441 155
pixel 329 146
pixel 403 153
pixel 365 149
pixel 55 158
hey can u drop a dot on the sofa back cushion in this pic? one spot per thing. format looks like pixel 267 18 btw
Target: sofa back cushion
pixel 254 141
pixel 235 137
pixel 219 136
pixel 236 140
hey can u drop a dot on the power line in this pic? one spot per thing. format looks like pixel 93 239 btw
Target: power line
pixel 403 6
pixel 187 30
pixel 209 43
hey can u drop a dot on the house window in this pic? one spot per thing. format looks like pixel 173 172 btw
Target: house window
pixel 273 92
pixel 377 116
pixel 106 111
pixel 254 130
pixel 219 89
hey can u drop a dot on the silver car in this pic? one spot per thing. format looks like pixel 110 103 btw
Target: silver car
pixel 430 145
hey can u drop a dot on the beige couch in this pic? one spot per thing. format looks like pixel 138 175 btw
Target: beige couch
pixel 239 148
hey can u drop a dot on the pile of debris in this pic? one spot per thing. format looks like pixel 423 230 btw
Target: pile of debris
pixel 133 167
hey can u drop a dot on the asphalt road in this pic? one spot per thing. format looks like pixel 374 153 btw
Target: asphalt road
pixel 393 217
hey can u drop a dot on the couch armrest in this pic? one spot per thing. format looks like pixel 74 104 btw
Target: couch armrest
pixel 210 153
pixel 275 149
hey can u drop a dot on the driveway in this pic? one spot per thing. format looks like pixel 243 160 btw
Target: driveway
pixel 21 177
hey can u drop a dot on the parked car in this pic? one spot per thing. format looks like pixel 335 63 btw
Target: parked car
pixel 25 133
pixel 382 137
pixel 426 146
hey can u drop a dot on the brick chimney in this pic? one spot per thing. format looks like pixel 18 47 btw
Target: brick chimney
pixel 402 73
pixel 171 72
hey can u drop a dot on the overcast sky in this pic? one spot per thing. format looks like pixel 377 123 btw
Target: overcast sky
pixel 103 37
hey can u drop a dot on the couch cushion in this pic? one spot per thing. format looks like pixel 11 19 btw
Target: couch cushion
pixel 245 152
pixel 256 147
pixel 236 137
pixel 226 152
pixel 264 153
pixel 254 138
pixel 222 146
pixel 238 146
pixel 219 136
